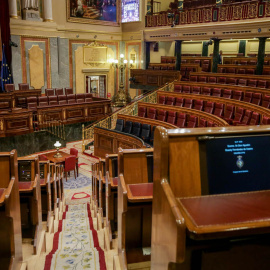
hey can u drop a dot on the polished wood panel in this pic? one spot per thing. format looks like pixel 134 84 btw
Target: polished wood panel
pixel 154 77
pixel 15 122
pixel 108 141
pixel 199 114
pixel 11 256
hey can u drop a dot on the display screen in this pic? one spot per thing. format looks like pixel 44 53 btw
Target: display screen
pixel 130 10
pixel 236 164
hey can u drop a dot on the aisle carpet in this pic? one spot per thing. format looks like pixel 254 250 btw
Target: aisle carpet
pixel 75 245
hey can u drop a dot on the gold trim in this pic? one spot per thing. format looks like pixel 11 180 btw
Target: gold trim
pixel 13 16
pixel 48 20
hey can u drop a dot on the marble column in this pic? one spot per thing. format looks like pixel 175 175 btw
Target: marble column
pixel 261 53
pixel 13 9
pixel 215 55
pixel 47 11
pixel 177 53
pixel 147 54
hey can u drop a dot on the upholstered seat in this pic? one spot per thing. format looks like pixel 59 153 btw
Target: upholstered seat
pixel 9 87
pixel 228 112
pixel 193 78
pixel 70 165
pixel 198 105
pixel 145 132
pixel 245 120
pixel 202 79
pixel 152 113
pixel 80 98
pixel 128 127
pixel 171 117
pixel 216 92
pixel 188 103
pixel 196 90
pixel 53 100
pixel 43 101
pixel 206 91
pixel 170 100
pixel 242 82
pixel 142 112
pixel 136 130
pixel 256 98
pixel 88 97
pixel 227 93
pixel 49 92
pixel 75 152
pixel 119 125
pixel 219 108
pixel 162 100
pixel 178 88
pixel 209 107
pixel 221 80
pixel 202 123
pixel 186 89
pixel 266 101
pixel 68 91
pixel 59 91
pixel 248 97
pixel 192 122
pixel 162 115
pixel 71 99
pixel 179 102
pixel 181 120
pixel 23 86
pixel 62 99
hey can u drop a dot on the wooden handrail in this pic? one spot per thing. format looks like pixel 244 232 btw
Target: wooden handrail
pixel 9 188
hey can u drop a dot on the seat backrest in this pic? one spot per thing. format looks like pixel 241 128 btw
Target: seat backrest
pixel 162 115
pixel 256 98
pixel 31 99
pixel 32 106
pixel 242 82
pixel 170 100
pixel 181 120
pixel 228 113
pixel 227 93
pixel 211 124
pixel 59 91
pixel 162 100
pixel 246 117
pixel 198 105
pixel 179 102
pixel 206 91
pixel 71 99
pixel 186 89
pixel 239 112
pixel 70 163
pixel 68 91
pixel 250 71
pixel 119 125
pixel 52 100
pixel 196 90
pixel 142 112
pixel 221 80
pixel 209 107
pixel 262 84
pixel 238 95
pixel 243 62
pixel 145 133
pixel 62 99
pixel 171 117
pixel 232 81
pixel 136 130
pixel 248 97
pixel 9 87
pixel 49 92
pixel 265 120
pixel 252 83
pixel 80 98
pixel 193 78
pixel 254 120
pixel 202 79
pixel 88 97
pixel 212 79
pixel 216 92
pixel 192 122
pixel 74 152
pixel 128 127
pixel 241 71
pixel 178 88
pixel 230 70
pixel 266 102
pixel 152 113
pixel 23 86
pixel 43 101
pixel 219 108
pixel 188 103
pixel 202 123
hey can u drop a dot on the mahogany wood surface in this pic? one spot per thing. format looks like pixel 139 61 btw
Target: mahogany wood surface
pixel 199 114
pixel 10 232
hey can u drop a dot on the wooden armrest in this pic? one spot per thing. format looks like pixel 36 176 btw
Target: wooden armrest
pixel 48 178
pixel 35 181
pixel 122 183
pixel 9 188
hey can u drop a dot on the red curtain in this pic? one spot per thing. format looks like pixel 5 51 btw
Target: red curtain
pixel 5 28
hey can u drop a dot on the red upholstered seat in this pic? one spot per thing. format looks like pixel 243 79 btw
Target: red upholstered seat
pixel 266 102
pixel 265 120
pixel 80 98
pixel 181 120
pixel 262 84
pixel 205 67
pixel 239 112
pixel 162 115
pixel 242 82
pixel 196 90
pixel 23 86
pixel 74 152
pixel 70 165
pixel 243 62
pixel 252 62
pixel 250 71
pixel 228 113
pixel 25 185
pixel 241 71
pixel 9 87
pixel 171 117
pixel 198 105
pixel 142 112
pixel 193 78
pixel 88 97
pixel 212 79
pixel 170 100
pixel 248 97
pixel 216 92
pixel 202 123
pixel 197 61
pixel 238 95
pixel 162 100
pixel 256 98
pixel 31 106
pixel 186 89
pixel 227 93
pixel 179 102
pixel 221 80
pixel 53 100
pixel 188 103
pixel 230 70
pixel 164 67
pixel 71 99
pixel 245 120
pixel 209 107
pixel 62 100
pixel 219 109
pixel 49 92
pixel 115 181
pixel 192 122
pixel 234 62
pixel 42 182
pixel 141 190
pixel 252 83
pixel 69 91
pixel 206 91
pixel 59 91
pixel 202 79
pixel 152 113
pixel 255 117
pixel 221 70
pixel 211 124
pixel 178 88
pixel 31 100
pixel 232 81
pixel 43 101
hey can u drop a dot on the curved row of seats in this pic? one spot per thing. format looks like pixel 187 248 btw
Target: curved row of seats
pixel 232 115
pixel 137 129
pixel 51 100
pixel 181 120
pixel 231 80
pixel 250 97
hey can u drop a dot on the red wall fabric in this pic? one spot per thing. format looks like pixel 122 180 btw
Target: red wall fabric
pixel 5 28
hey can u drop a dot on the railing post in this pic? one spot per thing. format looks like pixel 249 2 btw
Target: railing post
pixel 83 145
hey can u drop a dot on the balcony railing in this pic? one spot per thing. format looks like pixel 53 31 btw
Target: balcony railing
pixel 232 12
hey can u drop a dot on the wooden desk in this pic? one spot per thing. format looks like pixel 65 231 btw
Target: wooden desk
pixel 226 215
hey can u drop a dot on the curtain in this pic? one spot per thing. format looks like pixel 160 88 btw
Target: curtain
pixel 5 28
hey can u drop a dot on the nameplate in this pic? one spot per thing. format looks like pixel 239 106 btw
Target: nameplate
pixel 93 54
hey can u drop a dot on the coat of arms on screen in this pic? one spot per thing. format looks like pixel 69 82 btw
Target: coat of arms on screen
pixel 239 162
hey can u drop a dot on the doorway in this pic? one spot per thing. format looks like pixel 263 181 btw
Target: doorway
pixel 96 85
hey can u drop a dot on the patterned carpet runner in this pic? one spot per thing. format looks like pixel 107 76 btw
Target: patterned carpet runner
pixel 75 245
